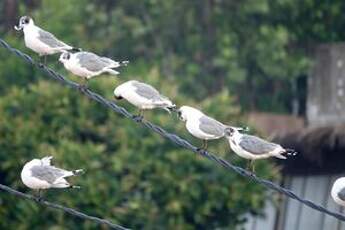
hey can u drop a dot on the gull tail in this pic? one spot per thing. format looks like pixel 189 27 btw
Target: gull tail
pixel 285 152
pixel 123 63
pixel 78 172
pixel 170 109
pixel 244 129
pixel 280 156
pixel 111 71
pixel 75 187
pixel 167 105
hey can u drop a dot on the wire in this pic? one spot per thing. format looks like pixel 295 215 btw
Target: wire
pixel 65 209
pixel 172 137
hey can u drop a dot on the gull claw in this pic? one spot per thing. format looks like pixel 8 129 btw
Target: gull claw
pixel 201 151
pixel 138 118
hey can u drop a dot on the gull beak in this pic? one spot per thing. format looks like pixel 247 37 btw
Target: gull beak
pixel 18 28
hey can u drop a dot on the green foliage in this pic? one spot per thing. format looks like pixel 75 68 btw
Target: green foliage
pixel 248 49
pixel 133 176
pixel 215 55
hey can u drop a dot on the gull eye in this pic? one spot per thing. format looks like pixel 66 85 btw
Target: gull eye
pixel 25 20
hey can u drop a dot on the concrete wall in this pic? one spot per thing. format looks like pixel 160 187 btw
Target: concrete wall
pixel 326 86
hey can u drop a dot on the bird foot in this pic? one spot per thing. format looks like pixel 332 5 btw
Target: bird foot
pixel 82 87
pixel 38 198
pixel 201 151
pixel 138 118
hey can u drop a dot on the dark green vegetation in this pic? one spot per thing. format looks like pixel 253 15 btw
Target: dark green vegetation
pixel 216 55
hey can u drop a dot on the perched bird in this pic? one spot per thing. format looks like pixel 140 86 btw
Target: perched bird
pixel 39 40
pixel 38 174
pixel 88 65
pixel 253 148
pixel 338 191
pixel 202 126
pixel 143 96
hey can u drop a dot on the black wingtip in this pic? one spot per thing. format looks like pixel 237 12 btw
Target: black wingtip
pixel 124 63
pixel 172 108
pixel 75 49
pixel 291 152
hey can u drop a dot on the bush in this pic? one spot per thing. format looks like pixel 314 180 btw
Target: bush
pixel 133 177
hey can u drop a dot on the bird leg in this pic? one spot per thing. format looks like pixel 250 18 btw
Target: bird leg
pixel 41 61
pixel 140 116
pixel 251 166
pixel 83 85
pixel 203 146
pixel 39 195
pixel 45 59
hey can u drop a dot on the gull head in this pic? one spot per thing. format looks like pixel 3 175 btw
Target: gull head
pixel 186 112
pixel 32 163
pixel 64 57
pixel 23 22
pixel 118 91
pixel 230 132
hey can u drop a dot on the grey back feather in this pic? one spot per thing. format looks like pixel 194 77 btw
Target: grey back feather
pixel 49 39
pixel 92 62
pixel 147 91
pixel 211 126
pixel 47 173
pixel 256 145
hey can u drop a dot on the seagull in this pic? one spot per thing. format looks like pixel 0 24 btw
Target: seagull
pixel 338 191
pixel 38 174
pixel 88 65
pixel 39 40
pixel 202 126
pixel 143 96
pixel 253 148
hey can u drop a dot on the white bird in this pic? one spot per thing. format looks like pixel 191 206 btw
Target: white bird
pixel 338 191
pixel 88 65
pixel 38 174
pixel 202 126
pixel 39 40
pixel 143 96
pixel 253 148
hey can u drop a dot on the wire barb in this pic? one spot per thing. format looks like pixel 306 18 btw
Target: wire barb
pixel 175 138
pixel 61 207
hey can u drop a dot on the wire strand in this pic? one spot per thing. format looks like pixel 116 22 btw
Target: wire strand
pixel 172 137
pixel 61 207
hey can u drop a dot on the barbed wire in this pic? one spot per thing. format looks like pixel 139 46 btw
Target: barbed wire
pixel 172 137
pixel 65 209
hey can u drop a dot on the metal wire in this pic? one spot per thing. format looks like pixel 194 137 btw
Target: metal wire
pixel 63 208
pixel 172 137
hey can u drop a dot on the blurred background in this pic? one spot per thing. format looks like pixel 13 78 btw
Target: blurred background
pixel 276 66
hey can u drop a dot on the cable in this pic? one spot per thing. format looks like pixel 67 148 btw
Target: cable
pixel 65 209
pixel 172 137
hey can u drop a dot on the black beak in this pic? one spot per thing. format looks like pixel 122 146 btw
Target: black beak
pixel 118 97
pixel 18 28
